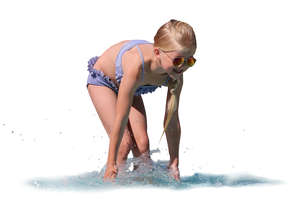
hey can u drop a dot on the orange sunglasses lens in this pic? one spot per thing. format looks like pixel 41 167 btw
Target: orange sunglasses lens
pixel 191 61
pixel 178 61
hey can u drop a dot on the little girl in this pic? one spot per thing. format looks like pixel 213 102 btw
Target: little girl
pixel 130 68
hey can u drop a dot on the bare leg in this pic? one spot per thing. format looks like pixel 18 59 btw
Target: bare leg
pixel 138 127
pixel 135 135
pixel 104 100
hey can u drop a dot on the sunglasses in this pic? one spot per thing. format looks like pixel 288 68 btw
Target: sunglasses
pixel 180 61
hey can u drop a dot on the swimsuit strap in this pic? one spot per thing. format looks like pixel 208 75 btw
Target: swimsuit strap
pixel 124 48
pixel 141 55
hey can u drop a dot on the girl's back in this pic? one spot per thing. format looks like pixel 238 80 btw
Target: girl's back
pixel 106 62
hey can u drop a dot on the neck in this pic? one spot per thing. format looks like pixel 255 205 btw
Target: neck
pixel 154 65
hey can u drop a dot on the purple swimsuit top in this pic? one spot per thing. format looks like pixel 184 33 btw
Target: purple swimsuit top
pixel 119 71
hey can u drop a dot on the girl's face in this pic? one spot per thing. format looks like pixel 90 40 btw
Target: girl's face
pixel 175 63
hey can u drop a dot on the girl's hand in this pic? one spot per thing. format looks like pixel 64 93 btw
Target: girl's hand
pixel 174 172
pixel 110 173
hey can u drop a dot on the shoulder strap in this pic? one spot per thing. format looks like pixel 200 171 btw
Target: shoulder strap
pixel 141 55
pixel 124 48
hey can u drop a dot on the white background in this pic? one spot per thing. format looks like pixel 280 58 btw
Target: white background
pixel 239 107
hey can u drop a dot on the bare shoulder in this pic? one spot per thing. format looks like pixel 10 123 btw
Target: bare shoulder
pixel 132 64
pixel 131 75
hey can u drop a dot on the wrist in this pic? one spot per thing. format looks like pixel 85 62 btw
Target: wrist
pixel 110 164
pixel 111 159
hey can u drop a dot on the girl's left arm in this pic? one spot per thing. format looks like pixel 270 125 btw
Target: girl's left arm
pixel 173 133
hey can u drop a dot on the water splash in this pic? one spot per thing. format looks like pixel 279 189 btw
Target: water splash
pixel 147 174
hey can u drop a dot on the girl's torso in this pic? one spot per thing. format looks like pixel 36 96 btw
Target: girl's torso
pixel 107 63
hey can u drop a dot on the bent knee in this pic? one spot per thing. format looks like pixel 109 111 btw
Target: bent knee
pixel 125 147
pixel 143 146
pixel 123 152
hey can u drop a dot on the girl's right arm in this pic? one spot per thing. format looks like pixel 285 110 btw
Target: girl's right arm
pixel 127 88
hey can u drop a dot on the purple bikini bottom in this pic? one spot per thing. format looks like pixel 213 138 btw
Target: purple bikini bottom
pixel 98 78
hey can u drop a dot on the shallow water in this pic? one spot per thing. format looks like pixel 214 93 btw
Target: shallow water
pixel 146 175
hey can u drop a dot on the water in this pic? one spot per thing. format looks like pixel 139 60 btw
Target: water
pixel 154 174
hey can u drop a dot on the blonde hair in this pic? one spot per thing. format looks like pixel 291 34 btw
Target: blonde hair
pixel 174 35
